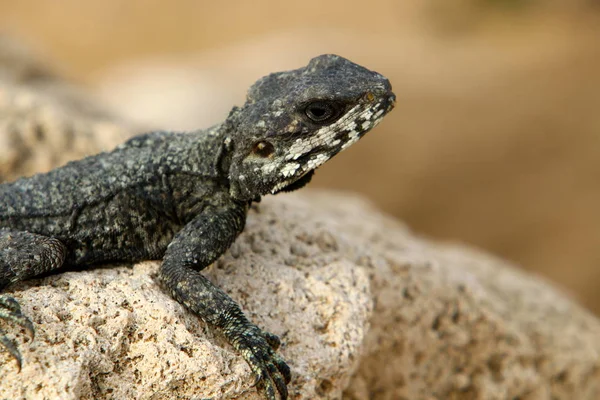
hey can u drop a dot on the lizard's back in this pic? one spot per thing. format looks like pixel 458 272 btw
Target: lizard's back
pixel 139 163
pixel 76 184
pixel 109 203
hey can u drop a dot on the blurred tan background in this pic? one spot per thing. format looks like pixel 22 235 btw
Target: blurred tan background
pixel 495 140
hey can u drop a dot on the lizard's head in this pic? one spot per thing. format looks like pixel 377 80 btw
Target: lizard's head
pixel 294 121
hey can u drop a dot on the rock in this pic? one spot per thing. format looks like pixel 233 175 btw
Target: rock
pixel 364 308
pixel 44 120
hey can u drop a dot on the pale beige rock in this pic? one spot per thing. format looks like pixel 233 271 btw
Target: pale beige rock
pixel 365 310
pixel 46 121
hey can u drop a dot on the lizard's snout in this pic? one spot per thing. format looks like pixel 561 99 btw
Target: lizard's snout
pixel 391 101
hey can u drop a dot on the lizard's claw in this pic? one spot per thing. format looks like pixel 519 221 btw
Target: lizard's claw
pixel 259 350
pixel 10 310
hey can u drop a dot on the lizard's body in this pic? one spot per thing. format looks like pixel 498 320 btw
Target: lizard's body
pixel 76 208
pixel 184 197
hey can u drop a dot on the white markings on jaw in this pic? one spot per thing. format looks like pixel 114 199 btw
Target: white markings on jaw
pixel 297 149
pixel 268 168
pixel 281 185
pixel 377 121
pixel 350 142
pixel 289 169
pixel 325 138
pixel 316 161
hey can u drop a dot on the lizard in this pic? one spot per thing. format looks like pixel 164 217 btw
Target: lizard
pixel 183 197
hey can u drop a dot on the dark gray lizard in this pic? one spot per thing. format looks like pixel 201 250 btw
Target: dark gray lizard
pixel 183 197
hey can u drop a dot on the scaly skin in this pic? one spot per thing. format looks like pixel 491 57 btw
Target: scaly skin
pixel 184 197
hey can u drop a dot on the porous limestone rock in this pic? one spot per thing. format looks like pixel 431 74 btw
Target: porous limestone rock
pixel 364 308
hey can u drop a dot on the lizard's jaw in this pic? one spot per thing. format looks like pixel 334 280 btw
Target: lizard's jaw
pixel 281 185
pixel 293 184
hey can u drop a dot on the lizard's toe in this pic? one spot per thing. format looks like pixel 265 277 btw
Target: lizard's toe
pixel 10 310
pixel 283 368
pixel 11 347
pixel 271 372
pixel 280 374
pixel 10 304
pixel 269 378
pixel 277 360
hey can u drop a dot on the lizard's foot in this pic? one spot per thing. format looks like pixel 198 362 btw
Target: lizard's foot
pixel 259 350
pixel 10 310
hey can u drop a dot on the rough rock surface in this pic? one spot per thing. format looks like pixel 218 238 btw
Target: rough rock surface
pixel 365 310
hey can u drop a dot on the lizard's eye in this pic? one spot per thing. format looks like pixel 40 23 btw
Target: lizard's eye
pixel 263 149
pixel 322 112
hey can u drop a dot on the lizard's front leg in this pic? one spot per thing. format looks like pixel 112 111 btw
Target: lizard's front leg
pixel 24 255
pixel 197 245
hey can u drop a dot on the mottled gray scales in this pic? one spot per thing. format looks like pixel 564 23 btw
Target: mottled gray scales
pixel 184 197
pixel 24 255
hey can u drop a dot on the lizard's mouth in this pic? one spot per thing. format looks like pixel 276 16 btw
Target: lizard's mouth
pixel 293 183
